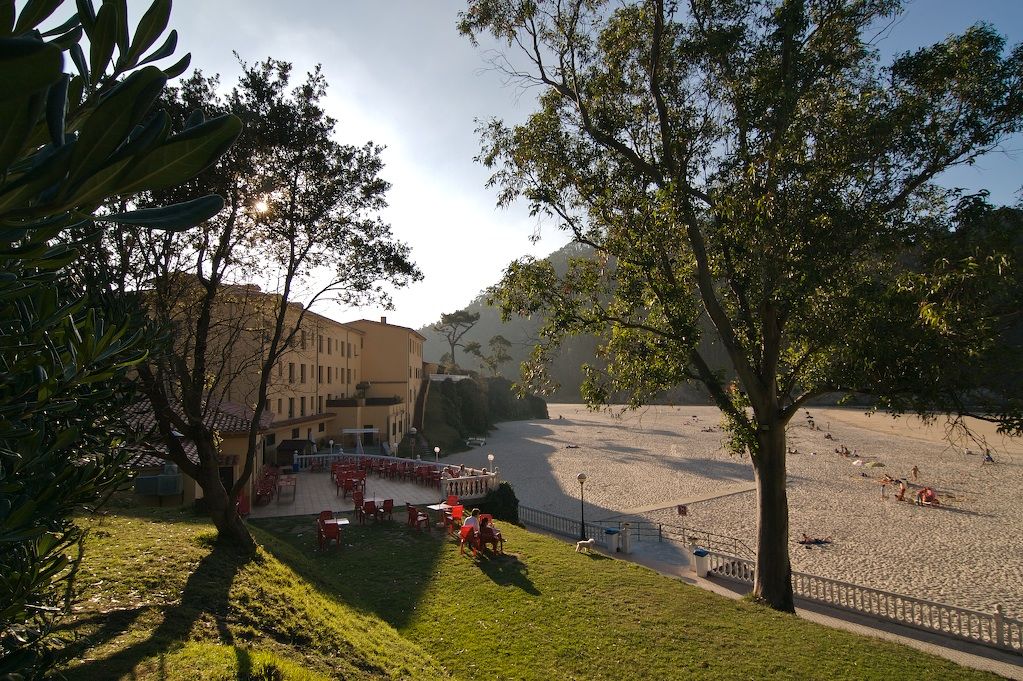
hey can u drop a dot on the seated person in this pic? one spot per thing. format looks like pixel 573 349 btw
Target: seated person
pixel 469 532
pixel 927 497
pixel 491 535
pixel 902 491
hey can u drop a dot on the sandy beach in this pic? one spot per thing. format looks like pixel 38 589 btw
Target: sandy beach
pixel 968 551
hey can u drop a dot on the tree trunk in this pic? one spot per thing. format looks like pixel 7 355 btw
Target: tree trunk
pixel 773 582
pixel 231 531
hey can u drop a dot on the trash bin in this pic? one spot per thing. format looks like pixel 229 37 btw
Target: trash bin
pixel 611 537
pixel 701 561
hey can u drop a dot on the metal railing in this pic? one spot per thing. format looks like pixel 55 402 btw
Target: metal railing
pixel 993 629
pixel 687 536
pixel 318 461
pixel 638 531
pixel 559 524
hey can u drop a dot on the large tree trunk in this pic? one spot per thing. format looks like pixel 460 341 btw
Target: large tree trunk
pixel 773 582
pixel 231 531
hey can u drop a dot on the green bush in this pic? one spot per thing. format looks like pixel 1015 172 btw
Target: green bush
pixel 501 503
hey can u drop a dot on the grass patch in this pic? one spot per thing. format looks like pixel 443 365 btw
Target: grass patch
pixel 546 612
pixel 160 597
pixel 162 601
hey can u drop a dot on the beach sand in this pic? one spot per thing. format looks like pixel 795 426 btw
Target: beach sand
pixel 966 552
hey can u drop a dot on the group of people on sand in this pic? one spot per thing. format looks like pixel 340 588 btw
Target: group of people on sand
pixel 926 496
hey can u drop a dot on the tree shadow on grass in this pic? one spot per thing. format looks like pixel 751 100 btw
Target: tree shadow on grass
pixel 506 569
pixel 206 593
pixel 383 568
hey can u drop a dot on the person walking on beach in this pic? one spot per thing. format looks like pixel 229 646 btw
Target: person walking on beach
pixel 902 491
pixel 916 472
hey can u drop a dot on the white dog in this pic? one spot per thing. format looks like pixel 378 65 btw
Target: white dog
pixel 584 544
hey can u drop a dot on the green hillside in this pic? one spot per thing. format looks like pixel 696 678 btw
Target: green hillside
pixel 565 370
pixel 160 601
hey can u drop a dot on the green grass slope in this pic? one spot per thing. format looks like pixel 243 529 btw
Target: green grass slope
pixel 160 601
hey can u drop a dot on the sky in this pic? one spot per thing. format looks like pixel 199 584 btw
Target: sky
pixel 401 76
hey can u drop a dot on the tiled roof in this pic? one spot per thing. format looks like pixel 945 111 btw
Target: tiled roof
pixel 230 418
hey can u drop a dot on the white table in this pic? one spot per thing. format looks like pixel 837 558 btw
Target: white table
pixel 440 508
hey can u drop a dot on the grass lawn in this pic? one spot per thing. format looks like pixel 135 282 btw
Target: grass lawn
pixel 161 602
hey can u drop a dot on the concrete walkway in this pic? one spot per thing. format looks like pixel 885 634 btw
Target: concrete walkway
pixel 715 494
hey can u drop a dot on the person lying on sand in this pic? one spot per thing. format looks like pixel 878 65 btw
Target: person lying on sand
pixel 814 541
pixel 927 497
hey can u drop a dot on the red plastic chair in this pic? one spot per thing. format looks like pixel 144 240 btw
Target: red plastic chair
pixel 347 486
pixel 369 509
pixel 489 534
pixel 387 509
pixel 453 519
pixel 417 519
pixel 357 501
pixel 326 515
pixel 325 533
pixel 468 535
pixel 452 500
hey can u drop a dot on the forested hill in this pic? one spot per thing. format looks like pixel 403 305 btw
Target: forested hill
pixel 521 332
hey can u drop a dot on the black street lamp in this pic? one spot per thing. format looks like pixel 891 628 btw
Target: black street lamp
pixel 582 507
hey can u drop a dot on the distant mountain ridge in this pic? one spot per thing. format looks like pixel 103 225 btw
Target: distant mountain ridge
pixel 522 332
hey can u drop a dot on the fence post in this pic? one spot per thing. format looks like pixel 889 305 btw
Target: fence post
pixel 659 539
pixel 999 637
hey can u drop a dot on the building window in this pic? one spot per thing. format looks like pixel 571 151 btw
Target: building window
pixel 303 339
pixel 330 374
pixel 322 428
pixel 349 376
pixel 349 350
pixel 291 372
pixel 319 374
pixel 294 433
pixel 319 404
pixel 291 407
pixel 302 413
pixel 270 439
pixel 301 369
pixel 280 406
pixel 319 344
pixel 330 344
pixel 410 372
pixel 280 369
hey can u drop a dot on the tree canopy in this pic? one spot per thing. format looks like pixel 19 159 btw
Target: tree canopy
pixel 752 166
pixel 301 221
pixel 72 136
pixel 453 326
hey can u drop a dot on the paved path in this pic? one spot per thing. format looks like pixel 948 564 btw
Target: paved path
pixel 713 494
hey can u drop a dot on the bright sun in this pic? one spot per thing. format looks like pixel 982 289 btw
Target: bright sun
pixel 262 206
